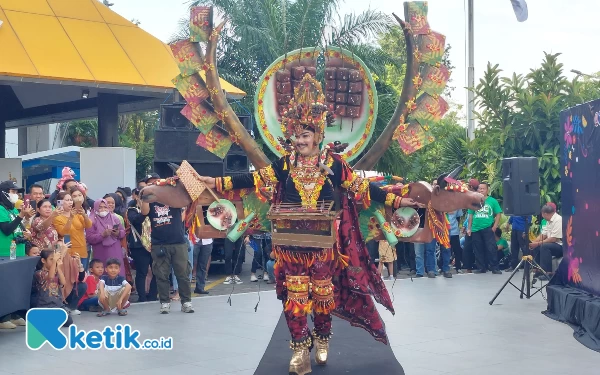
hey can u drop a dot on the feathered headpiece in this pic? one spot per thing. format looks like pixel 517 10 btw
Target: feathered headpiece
pixel 307 109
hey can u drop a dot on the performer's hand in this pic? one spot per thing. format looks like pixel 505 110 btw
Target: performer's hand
pixel 209 181
pixel 409 202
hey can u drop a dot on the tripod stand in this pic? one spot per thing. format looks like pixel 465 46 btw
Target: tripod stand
pixel 526 282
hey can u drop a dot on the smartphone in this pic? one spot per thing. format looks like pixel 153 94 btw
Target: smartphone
pixel 67 239
pixel 116 227
pixel 59 203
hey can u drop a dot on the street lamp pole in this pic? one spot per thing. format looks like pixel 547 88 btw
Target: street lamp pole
pixel 470 73
pixel 521 12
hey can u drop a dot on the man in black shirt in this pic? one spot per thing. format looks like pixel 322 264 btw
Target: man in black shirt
pixel 169 249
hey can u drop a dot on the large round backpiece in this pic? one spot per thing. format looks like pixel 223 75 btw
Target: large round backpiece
pixel 349 91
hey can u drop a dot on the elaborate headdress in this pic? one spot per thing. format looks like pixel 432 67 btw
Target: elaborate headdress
pixel 307 109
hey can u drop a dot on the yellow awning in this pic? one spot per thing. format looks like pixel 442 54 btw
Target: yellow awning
pixel 83 41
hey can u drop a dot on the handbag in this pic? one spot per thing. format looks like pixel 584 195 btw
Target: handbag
pixel 144 238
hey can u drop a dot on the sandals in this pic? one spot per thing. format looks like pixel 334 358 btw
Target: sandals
pixel 122 312
pixel 103 313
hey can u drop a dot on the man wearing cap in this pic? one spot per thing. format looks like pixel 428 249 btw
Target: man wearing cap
pixel 169 250
pixel 11 228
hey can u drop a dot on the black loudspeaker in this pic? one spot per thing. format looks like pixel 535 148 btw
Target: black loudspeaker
pixel 171 117
pixel 174 146
pixel 521 184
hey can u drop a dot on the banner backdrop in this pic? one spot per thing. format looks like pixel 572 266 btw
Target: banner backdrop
pixel 580 169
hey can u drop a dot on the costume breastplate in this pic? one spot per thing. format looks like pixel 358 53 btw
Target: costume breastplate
pixel 308 179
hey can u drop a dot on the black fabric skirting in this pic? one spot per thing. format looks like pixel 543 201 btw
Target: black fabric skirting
pixel 352 351
pixel 579 309
pixel 16 277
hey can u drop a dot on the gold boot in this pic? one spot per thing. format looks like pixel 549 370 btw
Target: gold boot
pixel 321 349
pixel 300 362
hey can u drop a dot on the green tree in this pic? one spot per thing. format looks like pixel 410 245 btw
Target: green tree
pixel 519 116
pixel 138 133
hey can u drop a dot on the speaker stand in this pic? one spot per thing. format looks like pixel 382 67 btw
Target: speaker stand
pixel 529 263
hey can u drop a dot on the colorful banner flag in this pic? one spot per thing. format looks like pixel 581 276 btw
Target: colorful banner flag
pixel 200 24
pixel 431 47
pixel 429 109
pixel 201 116
pixel 435 79
pixel 188 59
pixel 413 138
pixel 216 141
pixel 416 15
pixel 192 88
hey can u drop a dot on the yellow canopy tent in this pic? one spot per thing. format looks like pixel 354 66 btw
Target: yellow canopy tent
pixel 83 42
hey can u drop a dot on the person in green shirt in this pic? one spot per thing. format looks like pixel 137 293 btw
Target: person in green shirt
pixel 482 225
pixel 10 219
pixel 501 245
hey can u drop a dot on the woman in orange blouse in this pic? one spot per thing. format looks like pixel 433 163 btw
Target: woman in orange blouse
pixel 73 222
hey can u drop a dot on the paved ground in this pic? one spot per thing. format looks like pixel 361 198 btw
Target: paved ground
pixel 441 326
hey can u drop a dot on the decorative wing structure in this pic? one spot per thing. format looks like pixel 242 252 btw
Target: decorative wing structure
pixel 349 92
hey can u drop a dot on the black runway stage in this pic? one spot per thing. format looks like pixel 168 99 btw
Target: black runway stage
pixel 352 352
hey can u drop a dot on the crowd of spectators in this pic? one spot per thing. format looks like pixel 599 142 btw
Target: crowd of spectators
pixel 87 249
pixel 477 244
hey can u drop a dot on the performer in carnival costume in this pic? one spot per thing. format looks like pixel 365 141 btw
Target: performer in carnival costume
pixel 319 277
pixel 323 281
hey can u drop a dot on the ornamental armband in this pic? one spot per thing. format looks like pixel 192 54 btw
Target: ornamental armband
pixel 393 200
pixel 223 184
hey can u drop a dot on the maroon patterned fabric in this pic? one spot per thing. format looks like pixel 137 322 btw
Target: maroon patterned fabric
pixel 298 325
pixel 355 284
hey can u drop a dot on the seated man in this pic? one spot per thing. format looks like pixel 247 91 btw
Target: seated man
pixel 549 242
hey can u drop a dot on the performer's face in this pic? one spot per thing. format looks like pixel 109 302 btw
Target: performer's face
pixel 305 143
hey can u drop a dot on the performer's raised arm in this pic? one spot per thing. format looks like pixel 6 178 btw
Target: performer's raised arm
pixel 267 176
pixel 366 190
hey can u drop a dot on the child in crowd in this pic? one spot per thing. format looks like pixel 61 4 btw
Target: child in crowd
pixel 49 279
pixel 31 250
pixel 89 302
pixel 387 256
pixel 113 289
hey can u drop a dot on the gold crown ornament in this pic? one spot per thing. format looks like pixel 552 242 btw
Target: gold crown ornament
pixel 307 110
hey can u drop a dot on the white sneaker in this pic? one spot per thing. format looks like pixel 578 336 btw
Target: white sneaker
pixel 7 325
pixel 228 280
pixel 187 307
pixel 75 312
pixel 165 308
pixel 266 277
pixel 19 322
pixel 237 280
pixel 253 278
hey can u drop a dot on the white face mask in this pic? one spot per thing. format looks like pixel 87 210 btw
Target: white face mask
pixel 102 214
pixel 13 198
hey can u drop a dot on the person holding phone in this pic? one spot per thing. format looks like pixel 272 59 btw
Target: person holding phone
pixel 72 222
pixel 105 234
pixel 43 232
